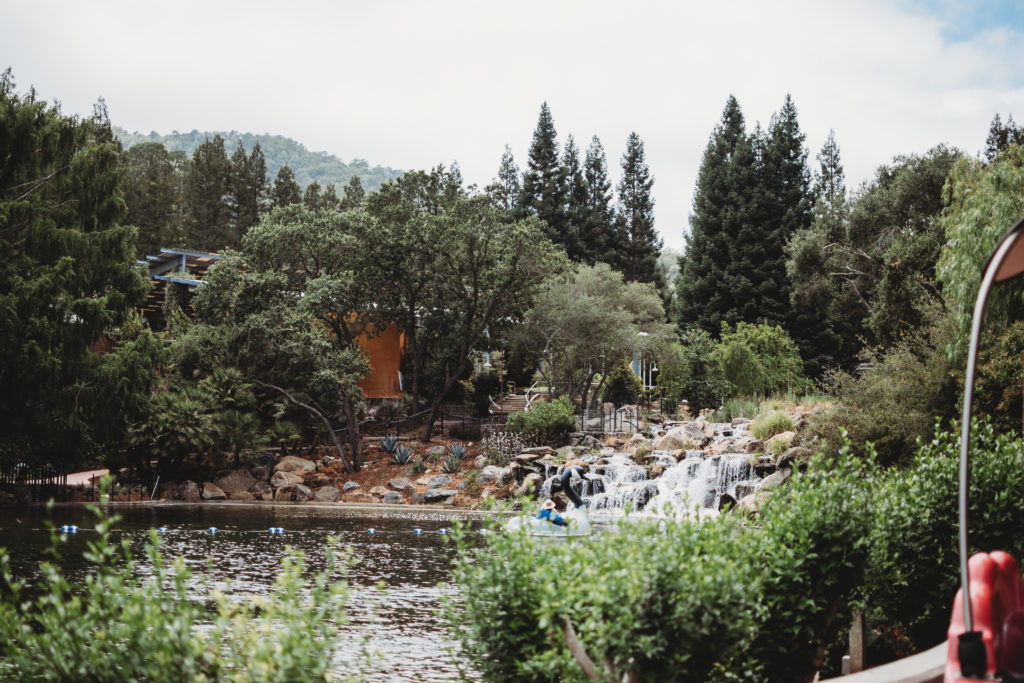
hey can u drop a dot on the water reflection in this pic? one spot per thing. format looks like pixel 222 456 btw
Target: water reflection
pixel 413 568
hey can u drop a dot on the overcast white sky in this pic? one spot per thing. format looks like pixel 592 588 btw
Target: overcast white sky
pixel 413 84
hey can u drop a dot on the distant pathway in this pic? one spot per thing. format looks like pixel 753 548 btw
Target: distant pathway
pixel 86 478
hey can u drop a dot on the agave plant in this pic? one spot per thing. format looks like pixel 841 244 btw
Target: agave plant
pixel 451 464
pixel 457 450
pixel 402 455
pixel 389 443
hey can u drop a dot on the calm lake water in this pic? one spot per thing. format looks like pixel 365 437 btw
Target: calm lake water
pixel 414 568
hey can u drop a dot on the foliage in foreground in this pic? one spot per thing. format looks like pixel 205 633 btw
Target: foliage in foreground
pixel 117 627
pixel 724 601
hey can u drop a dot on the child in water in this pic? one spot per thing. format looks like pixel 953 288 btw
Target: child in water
pixel 547 511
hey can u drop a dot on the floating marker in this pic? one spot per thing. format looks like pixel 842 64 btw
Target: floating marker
pixel 483 531
pixel 275 530
pixel 212 530
pixel 69 529
pixel 417 531
pixel 162 530
pixel 371 530
pixel 442 531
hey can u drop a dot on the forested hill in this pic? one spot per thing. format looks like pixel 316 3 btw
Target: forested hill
pixel 278 150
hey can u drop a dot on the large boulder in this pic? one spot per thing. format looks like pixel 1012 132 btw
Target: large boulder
pixel 393 498
pixel 358 497
pixel 285 479
pixel 440 495
pixel 675 439
pixel 784 438
pixel 295 464
pixel 634 443
pixel 775 479
pixel 530 486
pixel 189 490
pixel 539 450
pixel 262 490
pixel 327 494
pixel 213 492
pixel 241 496
pixel 235 481
pixel 493 475
pixel 438 481
pixel 302 493
pixel 315 480
pixel 350 486
pixel 285 493
pixel 403 485
pixel 379 491
pixel 261 472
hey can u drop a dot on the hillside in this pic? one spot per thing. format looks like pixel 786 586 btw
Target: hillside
pixel 278 150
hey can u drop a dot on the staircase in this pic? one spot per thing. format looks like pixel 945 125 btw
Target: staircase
pixel 512 403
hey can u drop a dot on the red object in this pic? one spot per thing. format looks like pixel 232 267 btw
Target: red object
pixel 997 609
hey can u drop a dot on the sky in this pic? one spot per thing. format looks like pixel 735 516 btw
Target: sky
pixel 412 84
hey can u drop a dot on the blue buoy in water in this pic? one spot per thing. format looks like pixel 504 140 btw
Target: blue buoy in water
pixel 212 530
pixel 69 529
pixel 417 531
pixel 162 530
pixel 371 530
pixel 275 530
pixel 442 530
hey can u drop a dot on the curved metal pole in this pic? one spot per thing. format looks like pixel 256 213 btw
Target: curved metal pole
pixel 567 487
pixel 965 430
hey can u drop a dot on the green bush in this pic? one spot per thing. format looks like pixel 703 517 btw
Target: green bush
pixel 768 425
pixel 547 422
pixel 116 627
pixel 622 386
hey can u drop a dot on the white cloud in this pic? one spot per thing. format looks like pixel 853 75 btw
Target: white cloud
pixel 413 84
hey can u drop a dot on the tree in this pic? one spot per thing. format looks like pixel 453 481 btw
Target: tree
pixel 206 189
pixel 692 371
pixel 248 190
pixel 153 186
pixel 584 322
pixel 312 198
pixel 713 286
pixel 638 244
pixel 544 180
pixel 353 195
pixel 505 189
pixel 313 249
pixel 984 203
pixel 597 229
pixel 68 276
pixel 488 272
pixel 286 191
pixel 772 352
pixel 576 199
pixel 1001 136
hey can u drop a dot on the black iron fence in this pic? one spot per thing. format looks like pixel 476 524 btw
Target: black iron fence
pixel 626 420
pixel 33 483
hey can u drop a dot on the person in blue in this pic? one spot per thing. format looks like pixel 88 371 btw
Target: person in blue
pixel 547 511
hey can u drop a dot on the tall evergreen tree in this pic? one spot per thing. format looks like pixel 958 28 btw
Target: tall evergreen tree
pixel 505 189
pixel 330 199
pixel 597 231
pixel 1001 136
pixel 286 191
pixel 638 244
pixel 67 276
pixel 544 179
pixel 708 291
pixel 206 189
pixel 248 189
pixel 152 196
pixel 312 198
pixel 353 194
pixel 576 200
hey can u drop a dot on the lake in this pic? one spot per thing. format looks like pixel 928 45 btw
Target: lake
pixel 414 568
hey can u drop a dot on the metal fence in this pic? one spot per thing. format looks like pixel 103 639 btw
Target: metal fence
pixel 33 483
pixel 599 421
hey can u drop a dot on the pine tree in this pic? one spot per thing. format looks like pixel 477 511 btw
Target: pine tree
pixel 576 200
pixel 597 232
pixel 544 179
pixel 330 199
pixel 1001 136
pixel 505 189
pixel 709 289
pixel 152 196
pixel 353 194
pixel 248 189
pixel 312 198
pixel 286 191
pixel 638 244
pixel 206 189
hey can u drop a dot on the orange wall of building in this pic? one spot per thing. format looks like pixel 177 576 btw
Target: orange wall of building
pixel 384 351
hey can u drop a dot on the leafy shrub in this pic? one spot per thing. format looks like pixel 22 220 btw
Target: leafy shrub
pixel 402 455
pixel 389 443
pixel 735 407
pixel 770 359
pixel 694 372
pixel 549 422
pixel 768 425
pixel 116 627
pixel 894 402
